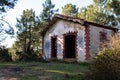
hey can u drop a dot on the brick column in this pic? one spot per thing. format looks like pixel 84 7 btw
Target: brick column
pixel 87 40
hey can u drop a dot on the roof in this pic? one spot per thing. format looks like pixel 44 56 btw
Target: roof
pixel 75 20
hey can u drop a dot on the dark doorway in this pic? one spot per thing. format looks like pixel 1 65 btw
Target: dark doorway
pixel 53 47
pixel 69 46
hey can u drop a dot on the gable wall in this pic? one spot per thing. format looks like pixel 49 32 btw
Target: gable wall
pixel 95 38
pixel 58 29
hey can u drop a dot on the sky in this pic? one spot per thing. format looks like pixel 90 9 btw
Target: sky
pixel 36 5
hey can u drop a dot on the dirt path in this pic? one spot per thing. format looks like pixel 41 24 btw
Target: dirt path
pixel 15 73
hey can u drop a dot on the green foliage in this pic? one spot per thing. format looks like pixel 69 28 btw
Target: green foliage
pixel 95 14
pixel 110 5
pixel 70 10
pixel 4 54
pixel 116 6
pixel 99 2
pixel 106 65
pixel 6 4
pixel 14 50
pixel 48 11
pixel 28 41
pixel 101 11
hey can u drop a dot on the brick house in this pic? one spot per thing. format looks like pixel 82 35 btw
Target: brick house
pixel 73 38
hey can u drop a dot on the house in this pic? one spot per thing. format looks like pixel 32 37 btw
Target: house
pixel 73 38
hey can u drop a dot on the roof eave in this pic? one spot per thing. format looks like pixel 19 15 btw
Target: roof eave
pixel 75 20
pixel 103 26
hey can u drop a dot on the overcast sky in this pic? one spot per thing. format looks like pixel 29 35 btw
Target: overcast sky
pixel 36 5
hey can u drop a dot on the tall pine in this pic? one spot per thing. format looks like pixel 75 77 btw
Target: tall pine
pixel 48 11
pixel 27 35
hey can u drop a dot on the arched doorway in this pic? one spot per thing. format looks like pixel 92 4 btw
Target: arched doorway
pixel 70 45
pixel 54 47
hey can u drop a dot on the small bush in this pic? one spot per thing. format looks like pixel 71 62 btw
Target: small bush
pixel 4 54
pixel 106 65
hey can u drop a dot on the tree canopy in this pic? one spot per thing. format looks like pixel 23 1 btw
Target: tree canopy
pixel 70 10
pixel 96 13
pixel 27 33
pixel 102 11
pixel 48 11
pixel 6 4
pixel 112 7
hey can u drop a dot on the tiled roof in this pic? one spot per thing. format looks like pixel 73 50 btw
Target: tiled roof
pixel 75 20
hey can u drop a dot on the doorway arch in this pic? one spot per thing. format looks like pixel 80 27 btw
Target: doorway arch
pixel 70 45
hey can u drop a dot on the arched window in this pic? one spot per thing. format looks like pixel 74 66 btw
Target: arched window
pixel 103 39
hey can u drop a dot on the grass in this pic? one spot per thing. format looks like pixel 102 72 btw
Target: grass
pixel 56 70
pixel 29 78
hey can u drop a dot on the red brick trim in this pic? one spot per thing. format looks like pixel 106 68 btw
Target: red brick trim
pixel 66 34
pixel 101 35
pixel 55 36
pixel 87 40
pixel 103 38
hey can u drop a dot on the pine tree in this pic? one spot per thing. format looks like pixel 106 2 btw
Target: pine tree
pixel 48 11
pixel 70 10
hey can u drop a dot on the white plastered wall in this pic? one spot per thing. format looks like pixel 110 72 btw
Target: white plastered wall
pixel 95 38
pixel 58 29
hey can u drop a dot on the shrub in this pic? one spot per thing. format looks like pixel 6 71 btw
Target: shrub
pixel 4 54
pixel 106 65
